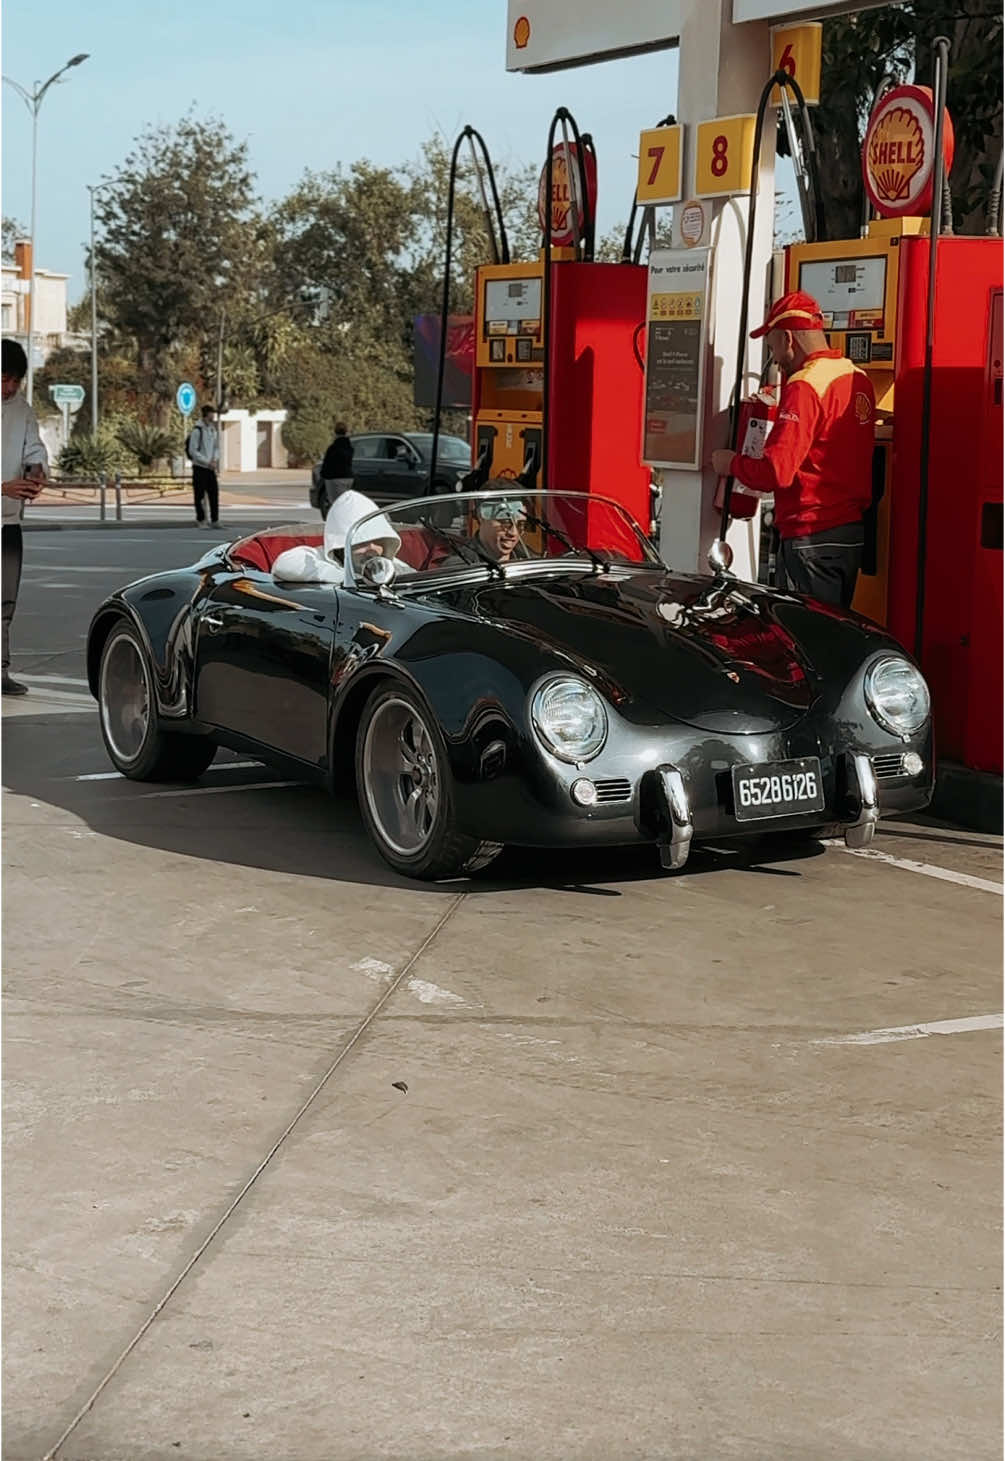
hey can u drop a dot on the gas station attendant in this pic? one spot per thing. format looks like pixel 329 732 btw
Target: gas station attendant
pixel 818 456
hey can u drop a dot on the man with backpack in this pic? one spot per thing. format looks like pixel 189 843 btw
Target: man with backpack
pixel 202 448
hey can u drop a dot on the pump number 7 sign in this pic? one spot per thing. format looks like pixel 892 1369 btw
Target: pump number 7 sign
pixel 660 176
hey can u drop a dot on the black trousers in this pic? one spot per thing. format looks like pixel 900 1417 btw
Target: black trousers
pixel 204 487
pixel 824 565
pixel 13 553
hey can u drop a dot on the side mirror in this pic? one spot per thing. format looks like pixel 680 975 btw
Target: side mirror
pixel 377 573
pixel 720 556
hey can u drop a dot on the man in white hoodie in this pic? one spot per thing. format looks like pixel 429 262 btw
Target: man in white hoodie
pixel 24 464
pixel 326 565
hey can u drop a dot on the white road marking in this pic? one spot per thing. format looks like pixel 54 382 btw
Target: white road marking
pixel 927 869
pixel 52 680
pixel 431 993
pixel 217 790
pixel 117 775
pixel 917 1032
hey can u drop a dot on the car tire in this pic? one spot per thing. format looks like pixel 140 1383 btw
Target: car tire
pixel 405 790
pixel 136 743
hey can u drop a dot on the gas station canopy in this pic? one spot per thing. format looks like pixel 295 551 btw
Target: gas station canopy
pixel 546 35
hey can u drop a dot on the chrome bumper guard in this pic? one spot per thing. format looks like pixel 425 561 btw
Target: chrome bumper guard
pixel 675 825
pixel 863 801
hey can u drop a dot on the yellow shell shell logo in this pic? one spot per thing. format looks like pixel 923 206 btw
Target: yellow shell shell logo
pixel 863 408
pixel 896 153
pixel 521 32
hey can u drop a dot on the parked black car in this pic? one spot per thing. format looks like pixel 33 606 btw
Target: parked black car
pixel 574 691
pixel 390 465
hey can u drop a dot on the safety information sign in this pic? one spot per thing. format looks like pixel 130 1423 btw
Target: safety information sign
pixel 676 346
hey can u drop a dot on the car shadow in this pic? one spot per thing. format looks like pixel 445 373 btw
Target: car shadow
pixel 299 829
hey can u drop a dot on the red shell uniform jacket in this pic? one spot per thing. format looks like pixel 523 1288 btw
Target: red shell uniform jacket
pixel 818 457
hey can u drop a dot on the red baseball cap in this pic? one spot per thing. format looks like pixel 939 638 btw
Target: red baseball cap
pixel 795 311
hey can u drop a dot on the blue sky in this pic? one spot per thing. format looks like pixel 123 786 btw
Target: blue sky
pixel 309 84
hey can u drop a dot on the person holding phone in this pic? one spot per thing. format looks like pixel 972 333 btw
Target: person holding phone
pixel 24 467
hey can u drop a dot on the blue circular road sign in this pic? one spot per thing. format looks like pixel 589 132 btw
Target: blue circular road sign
pixel 186 398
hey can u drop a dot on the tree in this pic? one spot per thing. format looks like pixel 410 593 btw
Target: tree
pixel 863 52
pixel 12 231
pixel 179 244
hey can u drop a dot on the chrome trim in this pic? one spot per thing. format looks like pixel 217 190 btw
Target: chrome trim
pixel 863 795
pixel 674 850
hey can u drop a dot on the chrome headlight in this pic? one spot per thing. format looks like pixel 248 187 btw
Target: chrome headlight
pixel 897 695
pixel 570 718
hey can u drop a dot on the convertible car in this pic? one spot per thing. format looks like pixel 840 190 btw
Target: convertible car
pixel 521 668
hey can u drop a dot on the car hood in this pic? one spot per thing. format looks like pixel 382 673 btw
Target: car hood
pixel 710 653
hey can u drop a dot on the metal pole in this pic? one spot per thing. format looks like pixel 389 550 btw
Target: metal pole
pixel 102 483
pixel 94 328
pixel 36 102
pixel 219 396
pixel 118 497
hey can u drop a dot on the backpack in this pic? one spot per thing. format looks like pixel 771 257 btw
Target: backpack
pixel 188 443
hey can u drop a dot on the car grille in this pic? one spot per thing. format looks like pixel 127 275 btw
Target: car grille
pixel 615 789
pixel 888 766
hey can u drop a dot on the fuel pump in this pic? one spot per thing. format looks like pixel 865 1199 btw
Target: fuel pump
pixel 920 309
pixel 556 403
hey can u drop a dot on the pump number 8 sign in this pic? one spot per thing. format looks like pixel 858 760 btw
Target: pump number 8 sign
pixel 724 151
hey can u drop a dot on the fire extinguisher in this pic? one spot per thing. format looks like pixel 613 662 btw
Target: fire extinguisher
pixel 757 416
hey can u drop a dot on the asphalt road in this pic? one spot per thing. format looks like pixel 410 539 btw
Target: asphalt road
pixel 570 1160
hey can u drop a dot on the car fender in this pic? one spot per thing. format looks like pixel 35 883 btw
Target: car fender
pixel 160 609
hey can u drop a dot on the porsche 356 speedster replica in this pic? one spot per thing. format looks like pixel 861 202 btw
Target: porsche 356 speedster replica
pixel 517 668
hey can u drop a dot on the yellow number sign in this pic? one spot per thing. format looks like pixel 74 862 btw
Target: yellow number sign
pixel 795 49
pixel 660 179
pixel 724 150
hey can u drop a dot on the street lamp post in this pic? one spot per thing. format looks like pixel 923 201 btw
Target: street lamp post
pixel 33 101
pixel 93 188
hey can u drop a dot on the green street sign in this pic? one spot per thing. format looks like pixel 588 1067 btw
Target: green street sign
pixel 67 395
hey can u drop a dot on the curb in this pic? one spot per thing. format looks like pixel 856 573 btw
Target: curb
pixel 972 799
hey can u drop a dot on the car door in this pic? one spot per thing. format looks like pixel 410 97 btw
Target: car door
pixel 262 662
pixel 365 462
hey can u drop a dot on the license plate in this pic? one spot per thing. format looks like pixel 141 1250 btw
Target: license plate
pixel 777 789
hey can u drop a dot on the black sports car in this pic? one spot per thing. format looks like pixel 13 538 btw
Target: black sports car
pixel 530 674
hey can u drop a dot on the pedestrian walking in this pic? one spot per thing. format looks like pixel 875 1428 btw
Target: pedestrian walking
pixel 336 469
pixel 818 456
pixel 203 451
pixel 24 467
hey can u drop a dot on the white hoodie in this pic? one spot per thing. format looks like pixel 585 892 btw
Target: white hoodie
pixel 316 565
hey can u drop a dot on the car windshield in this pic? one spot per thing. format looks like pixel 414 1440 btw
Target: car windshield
pixel 500 531
pixel 450 448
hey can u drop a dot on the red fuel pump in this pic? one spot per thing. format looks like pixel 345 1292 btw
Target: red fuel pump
pixel 556 397
pixel 931 339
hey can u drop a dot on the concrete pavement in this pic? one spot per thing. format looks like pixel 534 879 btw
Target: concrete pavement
pixel 567 1162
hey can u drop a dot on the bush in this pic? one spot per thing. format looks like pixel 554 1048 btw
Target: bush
pixel 87 455
pixel 148 444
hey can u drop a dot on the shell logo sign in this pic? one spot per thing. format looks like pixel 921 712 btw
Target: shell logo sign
pixel 565 194
pixel 521 32
pixel 898 154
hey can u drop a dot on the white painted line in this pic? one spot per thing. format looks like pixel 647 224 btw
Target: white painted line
pixel 927 869
pixel 117 775
pixel 52 680
pixel 216 790
pixel 917 1032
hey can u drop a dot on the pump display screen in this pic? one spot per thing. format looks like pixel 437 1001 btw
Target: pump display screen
pixel 512 306
pixel 851 292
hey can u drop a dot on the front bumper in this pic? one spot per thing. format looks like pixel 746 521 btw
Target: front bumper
pixel 674 788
